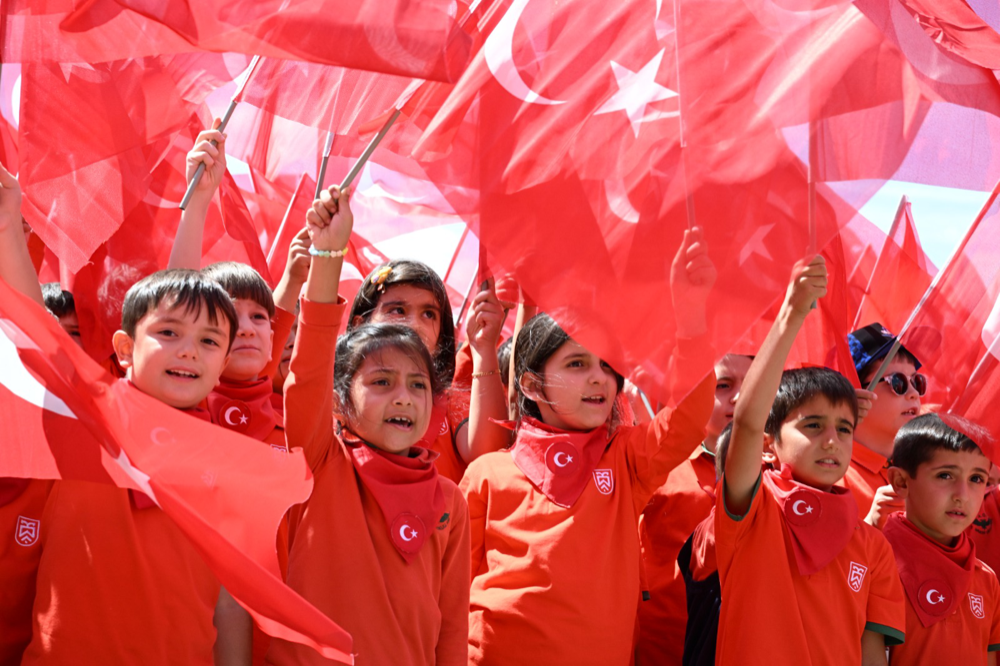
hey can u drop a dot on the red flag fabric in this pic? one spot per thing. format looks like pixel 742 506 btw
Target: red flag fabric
pixel 227 493
pixel 404 37
pixel 901 276
pixel 958 321
pixel 957 27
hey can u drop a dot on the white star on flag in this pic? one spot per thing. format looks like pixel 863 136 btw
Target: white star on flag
pixel 636 91
pixel 141 479
pixel 755 245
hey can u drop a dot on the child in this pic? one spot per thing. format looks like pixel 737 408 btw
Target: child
pixel 795 561
pixel 117 581
pixel 677 507
pixel 555 548
pixel 897 401
pixel 60 303
pixel 952 598
pixel 382 545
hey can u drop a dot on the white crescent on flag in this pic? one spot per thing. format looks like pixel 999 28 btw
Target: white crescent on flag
pixel 500 60
pixel 16 378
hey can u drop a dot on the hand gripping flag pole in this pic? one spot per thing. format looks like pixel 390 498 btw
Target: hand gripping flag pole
pixel 222 128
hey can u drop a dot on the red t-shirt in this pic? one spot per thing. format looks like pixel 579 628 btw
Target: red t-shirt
pixel 865 475
pixel 671 516
pixel 20 550
pixel 985 531
pixel 342 559
pixel 771 614
pixel 560 585
pixel 118 585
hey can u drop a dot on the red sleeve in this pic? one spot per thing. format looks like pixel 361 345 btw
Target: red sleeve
pixel 309 388
pixel 281 325
pixel 730 528
pixel 453 642
pixel 474 489
pixel 656 448
pixel 886 611
pixel 994 643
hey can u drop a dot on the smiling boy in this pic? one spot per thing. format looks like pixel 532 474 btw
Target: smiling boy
pixel 795 561
pixel 952 598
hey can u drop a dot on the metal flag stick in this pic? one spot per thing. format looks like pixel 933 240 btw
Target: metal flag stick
pixel 934 283
pixel 369 149
pixel 327 149
pixel 222 128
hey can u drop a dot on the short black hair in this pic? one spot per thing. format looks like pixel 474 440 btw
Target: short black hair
pixel 359 343
pixel 722 449
pixel 802 385
pixel 242 281
pixel 917 441
pixel 180 287
pixel 867 370
pixel 503 358
pixel 419 274
pixel 58 301
pixel 537 341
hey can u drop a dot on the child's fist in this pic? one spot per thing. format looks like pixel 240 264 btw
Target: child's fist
pixel 485 321
pixel 330 220
pixel 297 266
pixel 808 284
pixel 692 276
pixel 210 150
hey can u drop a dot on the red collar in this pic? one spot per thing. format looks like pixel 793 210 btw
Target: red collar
pixel 935 577
pixel 558 462
pixel 819 524
pixel 406 488
pixel 864 457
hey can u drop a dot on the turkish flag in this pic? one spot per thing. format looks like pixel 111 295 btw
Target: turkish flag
pixel 861 240
pixel 958 322
pixel 957 27
pixel 901 276
pixel 226 492
pixel 411 38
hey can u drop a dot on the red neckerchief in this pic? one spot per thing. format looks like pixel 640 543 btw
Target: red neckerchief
pixel 819 524
pixel 438 424
pixel 935 577
pixel 141 500
pixel 11 489
pixel 244 407
pixel 406 488
pixel 559 463
pixel 278 405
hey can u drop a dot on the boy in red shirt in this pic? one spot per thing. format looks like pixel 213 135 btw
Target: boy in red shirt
pixel 676 508
pixel 952 598
pixel 897 400
pixel 795 561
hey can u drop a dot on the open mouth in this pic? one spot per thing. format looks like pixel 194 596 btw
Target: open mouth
pixel 910 412
pixel 183 374
pixel 830 463
pixel 956 514
pixel 595 400
pixel 400 422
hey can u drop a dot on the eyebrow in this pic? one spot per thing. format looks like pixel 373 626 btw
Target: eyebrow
pixel 394 371
pixel 432 306
pixel 956 467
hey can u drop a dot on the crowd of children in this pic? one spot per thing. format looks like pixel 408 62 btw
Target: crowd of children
pixel 771 517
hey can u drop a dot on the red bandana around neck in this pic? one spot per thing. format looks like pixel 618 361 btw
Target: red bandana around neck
pixel 141 500
pixel 11 489
pixel 560 463
pixel 244 407
pixel 406 488
pixel 935 577
pixel 819 524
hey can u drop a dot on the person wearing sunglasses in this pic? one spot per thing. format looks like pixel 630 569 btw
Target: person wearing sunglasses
pixel 896 402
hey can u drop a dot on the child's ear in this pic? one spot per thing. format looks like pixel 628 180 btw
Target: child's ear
pixel 532 387
pixel 770 457
pixel 356 321
pixel 900 480
pixel 124 347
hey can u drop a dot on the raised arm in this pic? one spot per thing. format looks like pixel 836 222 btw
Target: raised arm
pixel 15 261
pixel 186 251
pixel 746 444
pixel 488 400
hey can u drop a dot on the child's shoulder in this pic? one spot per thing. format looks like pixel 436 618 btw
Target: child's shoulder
pixel 489 466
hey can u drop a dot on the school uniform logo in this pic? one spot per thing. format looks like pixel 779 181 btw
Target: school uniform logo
pixel 976 603
pixel 26 533
pixel 444 427
pixel 856 576
pixel 236 415
pixel 983 524
pixel 408 532
pixel 604 480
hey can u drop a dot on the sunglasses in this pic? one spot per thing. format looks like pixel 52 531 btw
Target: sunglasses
pixel 898 383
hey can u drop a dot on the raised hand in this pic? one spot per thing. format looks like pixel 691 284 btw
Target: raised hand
pixel 330 220
pixel 809 278
pixel 692 276
pixel 10 201
pixel 485 321
pixel 213 156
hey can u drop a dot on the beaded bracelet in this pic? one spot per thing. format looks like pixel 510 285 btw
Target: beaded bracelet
pixel 326 253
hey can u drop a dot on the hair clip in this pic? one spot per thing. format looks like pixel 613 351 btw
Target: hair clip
pixel 380 276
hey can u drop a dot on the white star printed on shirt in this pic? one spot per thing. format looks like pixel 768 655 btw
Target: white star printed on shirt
pixel 636 91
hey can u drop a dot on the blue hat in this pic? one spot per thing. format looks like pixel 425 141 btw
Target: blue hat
pixel 871 343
